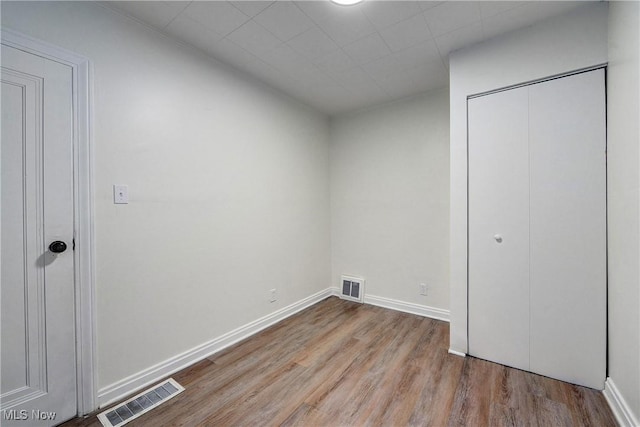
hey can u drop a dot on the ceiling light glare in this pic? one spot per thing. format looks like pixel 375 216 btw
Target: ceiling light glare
pixel 346 2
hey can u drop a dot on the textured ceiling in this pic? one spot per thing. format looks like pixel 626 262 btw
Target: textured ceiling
pixel 339 58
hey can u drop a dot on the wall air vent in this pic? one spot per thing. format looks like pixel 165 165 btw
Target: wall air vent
pixel 352 288
pixel 140 404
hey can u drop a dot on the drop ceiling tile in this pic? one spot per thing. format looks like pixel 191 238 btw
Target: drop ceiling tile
pixel 416 80
pixel 426 5
pixel 347 27
pixel 297 67
pixel 155 13
pixel 367 49
pixel 279 80
pixel 251 8
pixel 254 38
pixel 382 67
pixel 424 53
pixel 312 68
pixel 397 85
pixel 192 32
pixel 284 20
pixel 218 16
pixel 230 53
pixel 327 92
pixel 335 62
pixel 323 106
pixel 491 8
pixel 433 82
pixel 525 15
pixel 313 43
pixel 285 59
pixel 361 100
pixel 313 76
pixel 328 98
pixel 451 16
pixel 319 11
pixel 259 69
pixel 505 22
pixel 383 14
pixel 555 8
pixel 357 80
pixel 314 95
pixel 429 75
pixel 456 39
pixel 406 33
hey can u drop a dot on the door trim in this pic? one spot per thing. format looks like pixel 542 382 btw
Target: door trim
pixel 83 224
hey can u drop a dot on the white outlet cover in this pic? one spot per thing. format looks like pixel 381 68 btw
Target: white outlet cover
pixel 120 194
pixel 423 289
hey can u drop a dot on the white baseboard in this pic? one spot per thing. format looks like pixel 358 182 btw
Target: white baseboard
pixel 118 390
pixel 623 413
pixel 457 353
pixel 137 381
pixel 406 307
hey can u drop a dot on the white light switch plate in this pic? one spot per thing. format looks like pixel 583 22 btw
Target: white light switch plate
pixel 120 194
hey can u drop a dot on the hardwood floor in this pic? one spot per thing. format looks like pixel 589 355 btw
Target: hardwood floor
pixel 340 363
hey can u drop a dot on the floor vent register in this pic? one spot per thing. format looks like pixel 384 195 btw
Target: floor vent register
pixel 140 404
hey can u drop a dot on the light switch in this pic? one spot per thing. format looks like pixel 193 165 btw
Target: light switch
pixel 120 194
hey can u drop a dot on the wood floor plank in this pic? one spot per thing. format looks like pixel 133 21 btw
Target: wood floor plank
pixel 551 413
pixel 471 405
pixel 441 376
pixel 394 380
pixel 301 416
pixel 340 363
pixel 341 331
pixel 411 380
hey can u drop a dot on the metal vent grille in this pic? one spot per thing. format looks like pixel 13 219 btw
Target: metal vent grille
pixel 352 288
pixel 140 404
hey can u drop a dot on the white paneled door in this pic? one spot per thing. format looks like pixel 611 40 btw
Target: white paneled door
pixel 38 383
pixel 537 228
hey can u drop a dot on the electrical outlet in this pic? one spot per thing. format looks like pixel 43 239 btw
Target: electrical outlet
pixel 274 296
pixel 424 289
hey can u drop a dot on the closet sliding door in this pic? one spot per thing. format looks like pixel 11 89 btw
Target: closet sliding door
pixel 537 228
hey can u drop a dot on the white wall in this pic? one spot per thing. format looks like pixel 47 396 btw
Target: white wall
pixel 623 140
pixel 228 183
pixel 389 199
pixel 561 44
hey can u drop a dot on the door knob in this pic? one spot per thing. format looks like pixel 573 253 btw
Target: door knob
pixel 58 247
pixel 498 238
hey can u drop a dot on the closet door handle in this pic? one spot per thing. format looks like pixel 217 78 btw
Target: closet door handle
pixel 498 238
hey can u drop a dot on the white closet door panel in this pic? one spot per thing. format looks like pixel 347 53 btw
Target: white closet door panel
pixel 499 207
pixel 568 228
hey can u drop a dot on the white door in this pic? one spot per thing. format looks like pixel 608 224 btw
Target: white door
pixel 38 367
pixel 498 226
pixel 568 241
pixel 537 228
